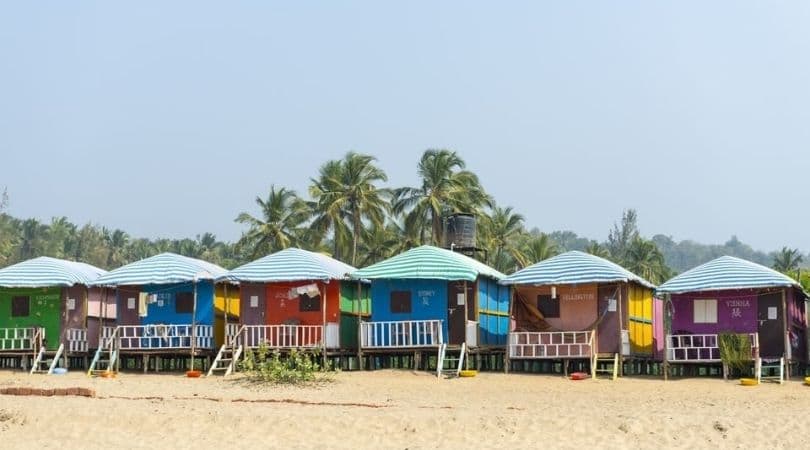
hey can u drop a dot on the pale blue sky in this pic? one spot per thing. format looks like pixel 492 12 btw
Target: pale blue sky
pixel 168 118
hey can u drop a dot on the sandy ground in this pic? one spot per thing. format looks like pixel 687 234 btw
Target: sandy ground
pixel 402 409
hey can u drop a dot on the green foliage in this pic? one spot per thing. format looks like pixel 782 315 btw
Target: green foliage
pixel 787 260
pixel 735 350
pixel 298 367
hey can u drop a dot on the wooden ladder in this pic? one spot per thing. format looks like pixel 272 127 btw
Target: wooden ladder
pixel 225 361
pixel 100 364
pixel 760 367
pixel 452 371
pixel 611 359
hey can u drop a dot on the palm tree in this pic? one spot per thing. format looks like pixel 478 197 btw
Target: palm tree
pixel 33 238
pixel 446 188
pixel 61 234
pixel 282 213
pixel 594 248
pixel 350 195
pixel 539 248
pixel 329 217
pixel 643 258
pixel 379 242
pixel 116 242
pixel 787 260
pixel 500 231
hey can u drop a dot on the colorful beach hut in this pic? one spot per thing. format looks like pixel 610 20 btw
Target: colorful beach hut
pixel 166 306
pixel 428 297
pixel 732 295
pixel 296 299
pixel 577 306
pixel 44 305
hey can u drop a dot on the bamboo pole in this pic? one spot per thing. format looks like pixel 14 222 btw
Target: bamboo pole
pixel 193 323
pixel 667 329
pixel 785 333
pixel 622 289
pixel 359 326
pixel 323 325
pixel 506 360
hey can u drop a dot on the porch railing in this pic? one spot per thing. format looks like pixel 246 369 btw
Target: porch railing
pixel 19 339
pixel 276 336
pixel 76 340
pixel 551 344
pixel 160 337
pixel 701 348
pixel 401 334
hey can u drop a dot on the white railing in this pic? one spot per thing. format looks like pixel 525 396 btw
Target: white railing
pixel 551 344
pixel 19 339
pixel 401 334
pixel 278 336
pixel 76 340
pixel 160 337
pixel 701 347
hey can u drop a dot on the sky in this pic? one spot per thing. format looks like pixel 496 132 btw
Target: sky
pixel 167 119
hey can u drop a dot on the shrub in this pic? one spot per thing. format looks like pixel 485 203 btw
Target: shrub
pixel 295 368
pixel 735 350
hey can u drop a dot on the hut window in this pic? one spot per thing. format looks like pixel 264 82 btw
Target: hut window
pixel 307 303
pixel 549 307
pixel 20 306
pixel 401 302
pixel 705 310
pixel 184 303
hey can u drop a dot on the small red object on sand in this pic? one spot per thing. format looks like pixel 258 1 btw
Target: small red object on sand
pixel 579 376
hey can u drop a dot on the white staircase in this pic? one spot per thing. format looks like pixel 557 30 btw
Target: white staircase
pixel 106 358
pixel 442 361
pixel 761 368
pixel 225 362
pixel 45 363
pixel 611 360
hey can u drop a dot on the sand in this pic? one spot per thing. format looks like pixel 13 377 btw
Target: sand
pixel 403 409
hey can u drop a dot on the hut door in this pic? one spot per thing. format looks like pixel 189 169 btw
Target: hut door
pixel 457 304
pixel 252 304
pixel 769 316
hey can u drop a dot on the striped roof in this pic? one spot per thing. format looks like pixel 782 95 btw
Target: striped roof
pixel 726 272
pixel 428 262
pixel 292 264
pixel 46 271
pixel 165 268
pixel 574 267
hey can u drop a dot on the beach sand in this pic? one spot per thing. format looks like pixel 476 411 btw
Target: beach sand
pixel 403 409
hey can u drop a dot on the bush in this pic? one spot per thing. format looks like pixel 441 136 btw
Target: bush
pixel 295 368
pixel 735 350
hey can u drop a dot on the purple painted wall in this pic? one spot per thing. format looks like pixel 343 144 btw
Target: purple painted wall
pixel 658 328
pixel 736 311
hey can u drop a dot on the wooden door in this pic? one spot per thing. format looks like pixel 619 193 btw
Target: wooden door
pixel 771 326
pixel 458 303
pixel 252 304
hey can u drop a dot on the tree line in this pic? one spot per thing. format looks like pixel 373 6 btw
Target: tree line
pixel 351 214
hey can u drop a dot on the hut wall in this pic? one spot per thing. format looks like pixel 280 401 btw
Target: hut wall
pixel 127 305
pixel 608 334
pixel 164 311
pixel 74 307
pixel 428 301
pixel 578 305
pixel 350 308
pixel 797 320
pixel 493 312
pixel 223 305
pixel 658 328
pixel 736 312
pixel 281 308
pixel 640 320
pixel 44 310
pixel 252 312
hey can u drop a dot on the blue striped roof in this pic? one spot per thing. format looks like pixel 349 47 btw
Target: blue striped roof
pixel 165 268
pixel 726 272
pixel 46 272
pixel 428 263
pixel 574 268
pixel 292 264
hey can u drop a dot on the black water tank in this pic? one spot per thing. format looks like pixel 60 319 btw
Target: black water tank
pixel 459 231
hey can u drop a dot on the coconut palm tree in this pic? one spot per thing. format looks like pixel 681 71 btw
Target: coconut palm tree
pixel 787 260
pixel 277 228
pixel 539 248
pixel 446 188
pixel 643 258
pixel 33 239
pixel 499 232
pixel 116 242
pixel 594 248
pixel 350 196
pixel 329 218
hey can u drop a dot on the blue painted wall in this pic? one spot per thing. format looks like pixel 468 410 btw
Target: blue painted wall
pixel 166 313
pixel 428 300
pixel 493 312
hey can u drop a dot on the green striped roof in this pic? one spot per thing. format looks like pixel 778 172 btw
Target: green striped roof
pixel 428 263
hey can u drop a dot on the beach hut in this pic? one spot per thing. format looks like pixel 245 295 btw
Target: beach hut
pixel 732 295
pixel 577 306
pixel 167 306
pixel 44 304
pixel 431 298
pixel 294 299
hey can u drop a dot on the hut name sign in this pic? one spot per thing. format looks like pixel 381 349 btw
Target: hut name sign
pixel 577 296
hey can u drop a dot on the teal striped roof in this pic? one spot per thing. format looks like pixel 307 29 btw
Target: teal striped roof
pixel 165 268
pixel 292 264
pixel 726 272
pixel 46 272
pixel 428 263
pixel 574 268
